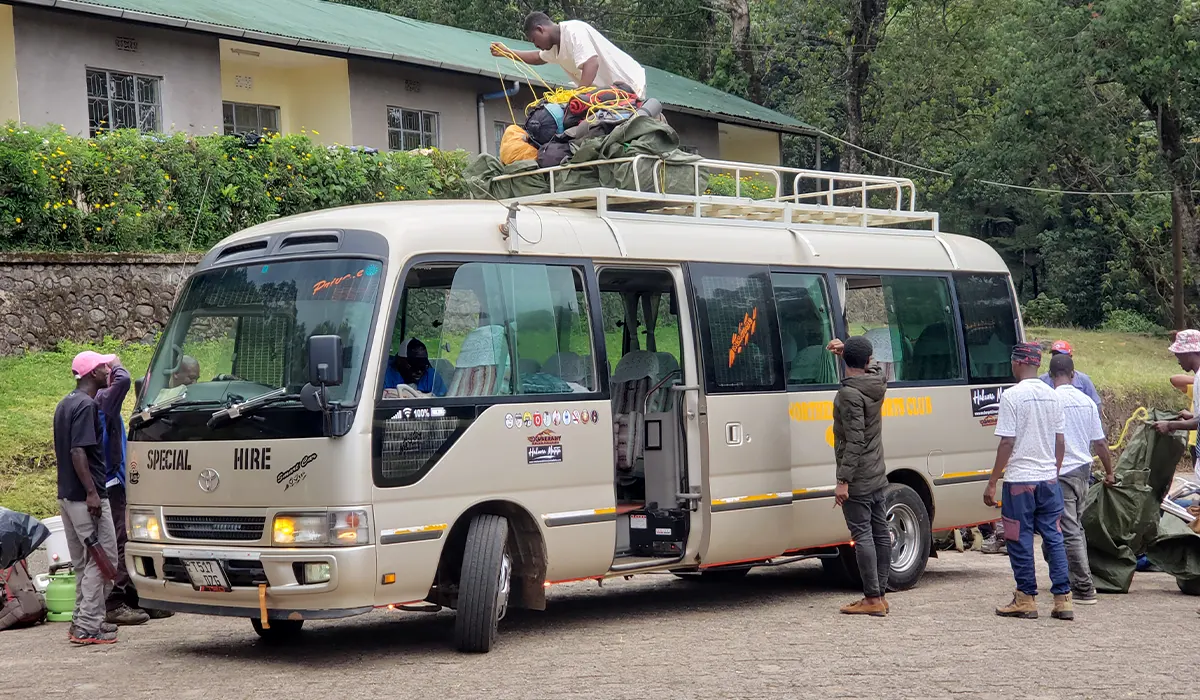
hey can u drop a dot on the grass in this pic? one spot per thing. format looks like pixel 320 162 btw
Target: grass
pixel 1129 370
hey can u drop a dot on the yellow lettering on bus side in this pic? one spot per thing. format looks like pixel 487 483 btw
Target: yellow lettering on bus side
pixel 805 411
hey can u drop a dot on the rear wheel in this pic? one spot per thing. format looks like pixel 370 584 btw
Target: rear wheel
pixel 908 523
pixel 279 631
pixel 484 584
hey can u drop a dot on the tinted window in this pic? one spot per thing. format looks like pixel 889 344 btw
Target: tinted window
pixel 737 320
pixel 805 328
pixel 491 329
pixel 910 323
pixel 989 320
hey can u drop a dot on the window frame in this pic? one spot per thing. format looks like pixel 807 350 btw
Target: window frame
pixel 591 291
pixel 947 277
pixel 692 273
pixel 435 136
pixel 502 126
pixel 1016 318
pixel 258 107
pixel 837 321
pixel 137 103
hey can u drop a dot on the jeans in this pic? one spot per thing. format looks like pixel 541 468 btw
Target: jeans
pixel 866 517
pixel 1074 485
pixel 122 591
pixel 1026 508
pixel 91 588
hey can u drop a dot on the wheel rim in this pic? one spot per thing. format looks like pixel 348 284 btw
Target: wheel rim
pixel 906 534
pixel 503 588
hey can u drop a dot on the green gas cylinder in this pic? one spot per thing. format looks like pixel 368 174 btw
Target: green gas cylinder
pixel 60 597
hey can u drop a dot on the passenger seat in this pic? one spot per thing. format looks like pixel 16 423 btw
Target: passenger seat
pixel 483 365
pixel 631 382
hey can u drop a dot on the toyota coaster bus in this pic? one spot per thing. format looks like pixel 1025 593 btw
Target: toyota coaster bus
pixel 460 403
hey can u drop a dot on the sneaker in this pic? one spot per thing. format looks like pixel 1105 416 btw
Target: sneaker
pixel 1085 598
pixel 1022 606
pixel 993 545
pixel 124 615
pixel 156 614
pixel 862 607
pixel 78 636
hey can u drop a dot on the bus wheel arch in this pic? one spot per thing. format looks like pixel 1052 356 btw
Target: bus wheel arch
pixel 525 543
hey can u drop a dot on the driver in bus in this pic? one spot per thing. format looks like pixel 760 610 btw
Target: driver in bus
pixel 410 368
pixel 187 373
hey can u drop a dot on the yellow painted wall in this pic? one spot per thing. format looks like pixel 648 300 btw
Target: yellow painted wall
pixel 8 67
pixel 748 145
pixel 312 97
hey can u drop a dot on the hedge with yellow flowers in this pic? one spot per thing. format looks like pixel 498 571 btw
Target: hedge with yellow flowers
pixel 129 191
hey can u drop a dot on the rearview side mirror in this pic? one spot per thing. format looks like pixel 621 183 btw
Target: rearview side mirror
pixel 325 360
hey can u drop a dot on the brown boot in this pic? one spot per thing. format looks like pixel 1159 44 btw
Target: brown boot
pixel 1022 606
pixel 1064 608
pixel 862 607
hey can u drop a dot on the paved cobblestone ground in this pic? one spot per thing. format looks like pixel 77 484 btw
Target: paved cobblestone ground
pixel 776 634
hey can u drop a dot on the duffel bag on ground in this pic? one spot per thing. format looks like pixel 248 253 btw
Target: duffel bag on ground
pixel 21 605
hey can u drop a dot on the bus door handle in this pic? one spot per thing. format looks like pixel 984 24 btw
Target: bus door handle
pixel 733 434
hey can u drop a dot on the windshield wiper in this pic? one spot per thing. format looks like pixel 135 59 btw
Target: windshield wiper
pixel 152 413
pixel 248 406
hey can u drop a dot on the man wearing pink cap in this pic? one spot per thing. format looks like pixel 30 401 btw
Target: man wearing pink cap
pixel 1081 381
pixel 82 496
pixel 1187 352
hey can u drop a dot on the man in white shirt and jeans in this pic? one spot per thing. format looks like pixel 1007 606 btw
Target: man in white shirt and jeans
pixel 1083 433
pixel 1029 457
pixel 589 59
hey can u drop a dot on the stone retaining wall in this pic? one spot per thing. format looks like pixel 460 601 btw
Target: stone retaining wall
pixel 49 297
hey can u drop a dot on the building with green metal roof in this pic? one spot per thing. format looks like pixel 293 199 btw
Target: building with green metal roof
pixel 342 73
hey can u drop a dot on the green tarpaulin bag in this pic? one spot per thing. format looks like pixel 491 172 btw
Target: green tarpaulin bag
pixel 1176 551
pixel 481 183
pixel 1121 521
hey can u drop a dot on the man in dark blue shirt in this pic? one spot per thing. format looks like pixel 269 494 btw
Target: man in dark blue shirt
pixel 410 366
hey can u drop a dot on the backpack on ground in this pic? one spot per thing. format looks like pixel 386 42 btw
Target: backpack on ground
pixel 21 605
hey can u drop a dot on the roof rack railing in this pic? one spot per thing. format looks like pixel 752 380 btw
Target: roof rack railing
pixel 829 198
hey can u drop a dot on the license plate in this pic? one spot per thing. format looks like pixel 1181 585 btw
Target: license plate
pixel 207 575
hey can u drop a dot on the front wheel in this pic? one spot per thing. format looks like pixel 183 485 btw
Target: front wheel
pixel 279 631
pixel 484 584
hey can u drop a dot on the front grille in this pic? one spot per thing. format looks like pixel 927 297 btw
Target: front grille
pixel 240 572
pixel 215 527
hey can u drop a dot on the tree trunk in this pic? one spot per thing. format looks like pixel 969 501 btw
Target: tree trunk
pixel 1185 234
pixel 866 21
pixel 708 62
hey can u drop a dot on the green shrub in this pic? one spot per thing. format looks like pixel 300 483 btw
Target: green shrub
pixel 724 185
pixel 131 191
pixel 1126 321
pixel 1045 311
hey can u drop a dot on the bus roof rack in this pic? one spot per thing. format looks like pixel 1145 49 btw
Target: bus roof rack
pixel 815 197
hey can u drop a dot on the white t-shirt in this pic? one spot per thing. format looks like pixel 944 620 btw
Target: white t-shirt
pixel 1031 413
pixel 1083 427
pixel 579 41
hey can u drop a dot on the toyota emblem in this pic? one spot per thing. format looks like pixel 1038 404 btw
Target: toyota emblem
pixel 209 480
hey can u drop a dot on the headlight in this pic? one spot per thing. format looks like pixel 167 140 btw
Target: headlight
pixel 143 525
pixel 336 527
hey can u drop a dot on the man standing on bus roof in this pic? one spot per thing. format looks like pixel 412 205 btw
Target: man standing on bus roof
pixel 861 474
pixel 1081 382
pixel 1083 434
pixel 1030 456
pixel 587 57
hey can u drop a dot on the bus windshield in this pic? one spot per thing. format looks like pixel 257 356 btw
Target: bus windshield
pixel 241 332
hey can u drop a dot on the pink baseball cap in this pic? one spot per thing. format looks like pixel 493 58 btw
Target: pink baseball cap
pixel 87 361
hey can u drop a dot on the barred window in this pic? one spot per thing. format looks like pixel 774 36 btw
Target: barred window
pixel 410 129
pixel 123 101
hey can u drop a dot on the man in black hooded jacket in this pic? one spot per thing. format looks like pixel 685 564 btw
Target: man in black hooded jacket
pixel 861 476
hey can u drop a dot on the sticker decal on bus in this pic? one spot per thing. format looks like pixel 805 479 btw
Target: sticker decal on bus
pixel 985 401
pixel 544 448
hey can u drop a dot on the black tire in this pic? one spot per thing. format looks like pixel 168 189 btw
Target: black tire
pixel 908 566
pixel 1188 586
pixel 904 503
pixel 280 631
pixel 482 594
pixel 714 575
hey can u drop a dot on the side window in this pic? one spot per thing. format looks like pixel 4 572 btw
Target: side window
pixel 491 329
pixel 737 321
pixel 805 328
pixel 909 321
pixel 989 320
